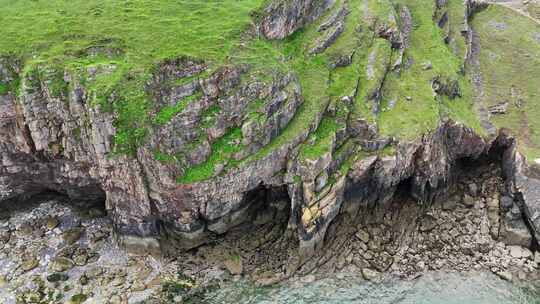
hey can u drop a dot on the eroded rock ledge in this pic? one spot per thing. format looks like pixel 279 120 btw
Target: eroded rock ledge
pixel 185 216
pixel 60 140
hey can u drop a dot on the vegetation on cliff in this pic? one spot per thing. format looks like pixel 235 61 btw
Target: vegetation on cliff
pixel 509 57
pixel 397 65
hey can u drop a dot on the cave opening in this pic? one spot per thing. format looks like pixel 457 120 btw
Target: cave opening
pixel 258 235
pixel 92 204
pixel 263 209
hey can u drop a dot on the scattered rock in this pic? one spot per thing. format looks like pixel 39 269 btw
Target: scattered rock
pixel 80 257
pixel 308 279
pixel 363 236
pixel 52 222
pixel 73 235
pixel 473 189
pixel 519 252
pixel 234 265
pixel 57 277
pixel 78 299
pixel 5 234
pixel 505 275
pixel 428 223
pixel 29 264
pixel 468 201
pixel 115 299
pixel 370 275
pixel 427 65
pixel 61 264
pixel 448 204
pixel 25 229
pixel 83 280
pixel 96 212
pixel 499 109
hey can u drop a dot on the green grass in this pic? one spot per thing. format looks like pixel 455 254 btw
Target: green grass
pixel 458 43
pixel 222 153
pixel 417 111
pixel 313 75
pixel 166 114
pixel 320 141
pixel 145 30
pixel 208 117
pixel 3 88
pixel 132 36
pixel 510 67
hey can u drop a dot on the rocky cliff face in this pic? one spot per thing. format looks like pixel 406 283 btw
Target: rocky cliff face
pixel 216 135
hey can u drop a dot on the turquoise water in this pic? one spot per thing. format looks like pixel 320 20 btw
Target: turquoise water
pixel 433 288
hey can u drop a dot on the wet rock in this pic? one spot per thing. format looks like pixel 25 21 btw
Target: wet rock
pixel 505 275
pixel 29 264
pixel 80 257
pixel 308 279
pixel 370 274
pixel 61 264
pixel 83 280
pixel 363 236
pixel 32 297
pixel 52 222
pixel 78 299
pixel 57 277
pixel 71 236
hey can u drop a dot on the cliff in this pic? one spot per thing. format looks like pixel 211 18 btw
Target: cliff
pixel 338 102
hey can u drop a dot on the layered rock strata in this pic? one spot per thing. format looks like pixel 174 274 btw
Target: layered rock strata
pixel 60 140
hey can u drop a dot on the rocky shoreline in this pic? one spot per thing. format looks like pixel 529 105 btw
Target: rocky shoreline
pixel 332 156
pixel 53 252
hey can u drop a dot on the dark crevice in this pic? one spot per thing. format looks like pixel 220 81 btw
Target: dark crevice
pixel 27 203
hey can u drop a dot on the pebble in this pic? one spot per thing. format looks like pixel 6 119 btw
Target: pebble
pixel 72 235
pixel 505 275
pixel 519 252
pixel 29 264
pixel 468 201
pixel 57 277
pixel 363 236
pixel 61 264
pixel 52 222
pixel 370 274
pixel 78 298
